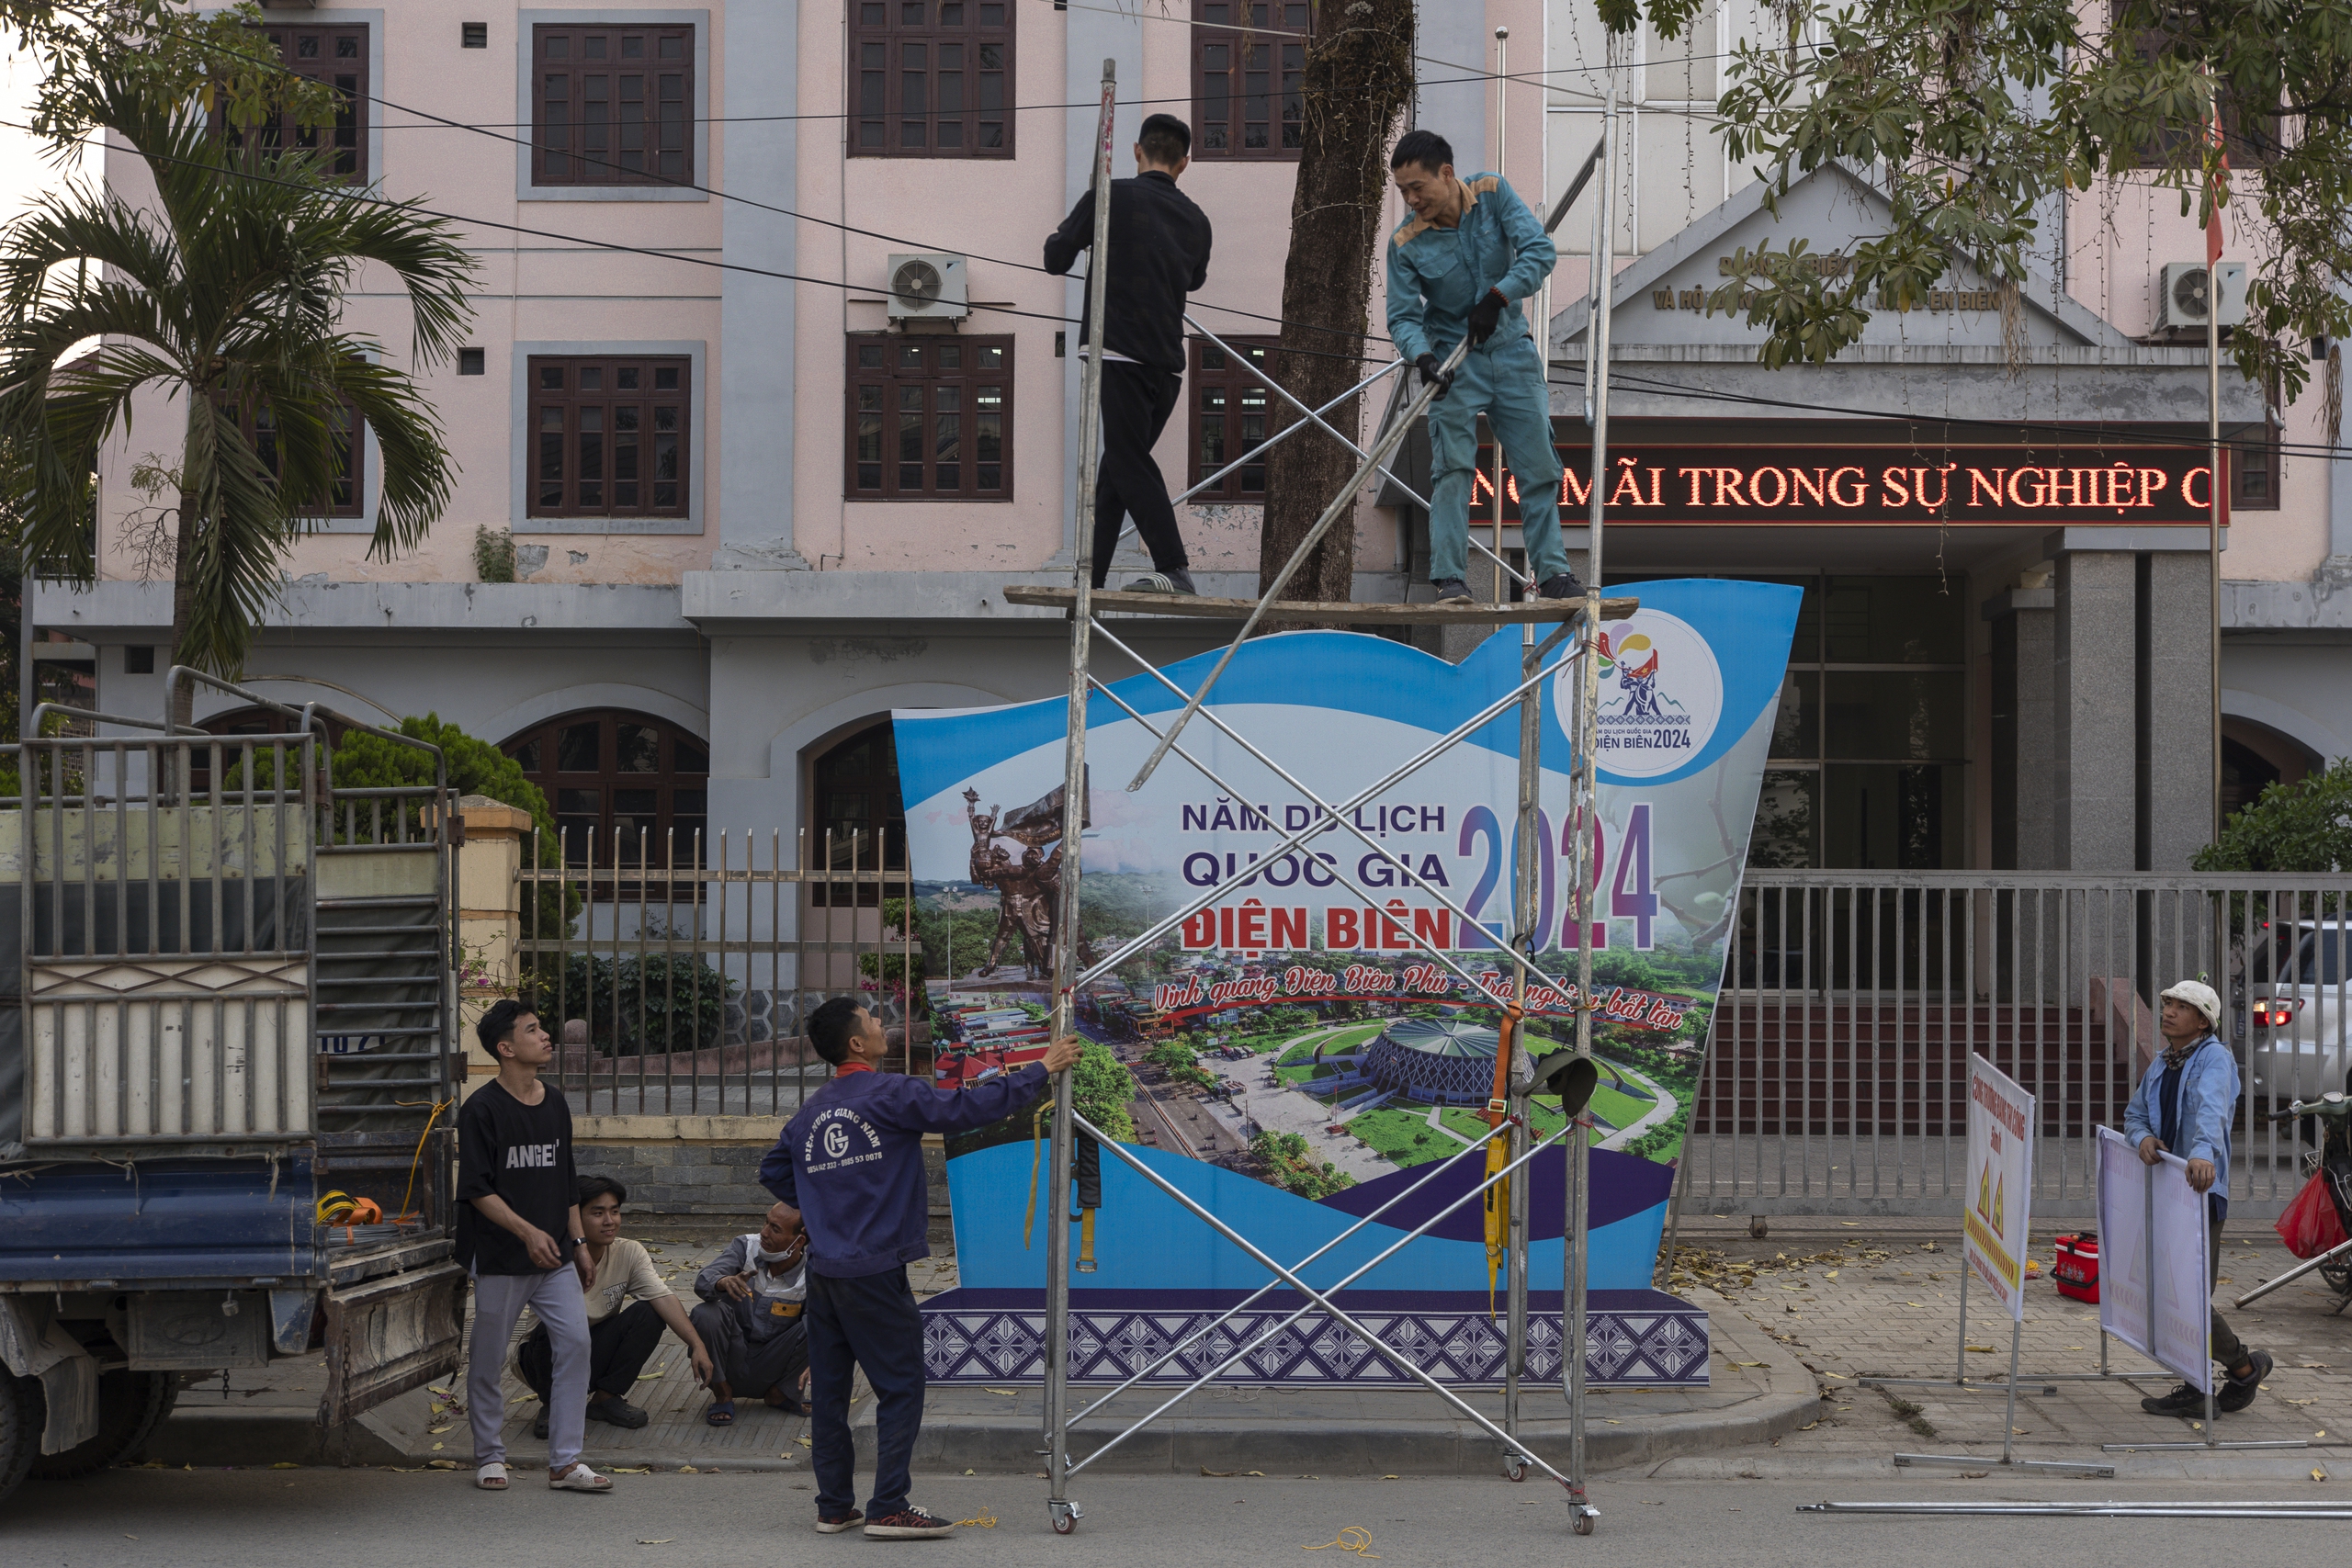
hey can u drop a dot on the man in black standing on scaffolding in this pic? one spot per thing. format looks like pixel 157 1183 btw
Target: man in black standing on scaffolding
pixel 1161 245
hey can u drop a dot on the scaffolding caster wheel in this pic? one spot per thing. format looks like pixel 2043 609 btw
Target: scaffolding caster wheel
pixel 1065 1517
pixel 1584 1518
pixel 1514 1468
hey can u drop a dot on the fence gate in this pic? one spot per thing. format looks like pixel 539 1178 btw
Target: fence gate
pixel 1837 1065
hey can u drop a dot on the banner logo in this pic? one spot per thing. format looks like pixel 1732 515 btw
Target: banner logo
pixel 1661 695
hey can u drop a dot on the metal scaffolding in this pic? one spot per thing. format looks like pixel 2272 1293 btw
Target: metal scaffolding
pixel 1571 644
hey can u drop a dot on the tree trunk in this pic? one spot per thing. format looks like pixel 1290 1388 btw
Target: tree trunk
pixel 1358 85
pixel 183 695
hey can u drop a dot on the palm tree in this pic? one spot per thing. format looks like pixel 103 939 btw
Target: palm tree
pixel 226 295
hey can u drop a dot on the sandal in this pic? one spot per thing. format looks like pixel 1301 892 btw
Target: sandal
pixel 491 1477
pixel 580 1478
pixel 721 1412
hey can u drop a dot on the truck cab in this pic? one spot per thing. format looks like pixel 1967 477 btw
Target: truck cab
pixel 227 1072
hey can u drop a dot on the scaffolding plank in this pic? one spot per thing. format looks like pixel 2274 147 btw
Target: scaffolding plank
pixel 1112 603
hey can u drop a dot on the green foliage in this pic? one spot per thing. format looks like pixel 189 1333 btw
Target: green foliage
pixel 636 1006
pixel 174 51
pixel 1972 113
pixel 495 554
pixel 2304 826
pixel 1101 1088
pixel 888 974
pixel 1293 1168
pixel 1172 1053
pixel 224 295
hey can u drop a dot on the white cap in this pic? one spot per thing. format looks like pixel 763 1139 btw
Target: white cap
pixel 2199 995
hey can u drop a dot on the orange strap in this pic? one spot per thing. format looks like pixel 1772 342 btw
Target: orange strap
pixel 1496 1103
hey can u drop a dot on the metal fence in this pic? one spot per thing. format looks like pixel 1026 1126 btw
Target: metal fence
pixel 681 967
pixel 1837 1064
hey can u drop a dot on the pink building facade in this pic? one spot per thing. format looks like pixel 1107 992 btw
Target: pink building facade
pixel 752 511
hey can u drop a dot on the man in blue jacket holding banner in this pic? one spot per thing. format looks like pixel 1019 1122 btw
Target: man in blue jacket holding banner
pixel 2183 1106
pixel 852 1163
pixel 1459 267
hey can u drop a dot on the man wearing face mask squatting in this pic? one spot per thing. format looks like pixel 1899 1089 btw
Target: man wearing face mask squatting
pixel 1458 267
pixel 851 1161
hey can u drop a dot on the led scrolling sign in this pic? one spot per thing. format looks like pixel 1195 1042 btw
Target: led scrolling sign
pixel 1686 485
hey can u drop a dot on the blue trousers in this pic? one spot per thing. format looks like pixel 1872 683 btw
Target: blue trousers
pixel 871 1322
pixel 1505 382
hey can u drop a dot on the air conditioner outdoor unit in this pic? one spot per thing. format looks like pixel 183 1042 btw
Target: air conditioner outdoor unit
pixel 2186 293
pixel 927 286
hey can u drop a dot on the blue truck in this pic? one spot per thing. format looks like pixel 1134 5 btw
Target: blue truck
pixel 227 1069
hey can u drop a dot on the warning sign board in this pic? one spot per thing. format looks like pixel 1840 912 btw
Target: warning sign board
pixel 2000 1182
pixel 2155 1291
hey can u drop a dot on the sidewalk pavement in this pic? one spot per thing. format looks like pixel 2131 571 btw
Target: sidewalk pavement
pixel 1798 1321
pixel 1853 1303
pixel 1758 1392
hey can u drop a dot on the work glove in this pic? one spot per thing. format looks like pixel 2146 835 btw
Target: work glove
pixel 1484 315
pixel 1432 376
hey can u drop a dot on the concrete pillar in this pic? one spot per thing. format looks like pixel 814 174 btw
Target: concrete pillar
pixel 2024 627
pixel 2095 712
pixel 489 920
pixel 2175 815
pixel 756 382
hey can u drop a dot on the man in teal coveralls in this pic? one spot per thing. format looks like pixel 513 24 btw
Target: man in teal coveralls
pixel 1459 266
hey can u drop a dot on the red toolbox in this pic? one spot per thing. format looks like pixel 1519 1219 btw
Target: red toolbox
pixel 2077 1268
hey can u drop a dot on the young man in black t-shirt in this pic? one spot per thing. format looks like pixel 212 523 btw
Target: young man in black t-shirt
pixel 518 1229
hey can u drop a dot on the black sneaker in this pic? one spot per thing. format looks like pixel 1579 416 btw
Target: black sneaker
pixel 617 1410
pixel 539 1425
pixel 2185 1400
pixel 1564 586
pixel 908 1523
pixel 833 1524
pixel 1163 583
pixel 2237 1394
pixel 1454 591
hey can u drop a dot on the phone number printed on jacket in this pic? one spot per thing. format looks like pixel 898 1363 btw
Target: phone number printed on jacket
pixel 832 1135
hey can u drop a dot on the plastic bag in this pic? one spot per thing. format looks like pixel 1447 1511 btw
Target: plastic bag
pixel 2310 1226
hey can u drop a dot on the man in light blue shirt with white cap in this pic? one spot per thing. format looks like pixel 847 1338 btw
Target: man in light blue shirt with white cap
pixel 2183 1106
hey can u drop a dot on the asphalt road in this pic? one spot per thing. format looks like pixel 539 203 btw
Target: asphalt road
pixel 360 1519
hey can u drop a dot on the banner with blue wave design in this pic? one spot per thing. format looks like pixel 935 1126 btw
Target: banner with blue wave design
pixel 1286 1051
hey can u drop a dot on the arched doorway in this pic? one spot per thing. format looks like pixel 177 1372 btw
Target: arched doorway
pixel 855 818
pixel 616 777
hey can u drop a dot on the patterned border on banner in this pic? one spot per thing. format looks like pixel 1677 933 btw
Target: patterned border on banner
pixel 1665 1345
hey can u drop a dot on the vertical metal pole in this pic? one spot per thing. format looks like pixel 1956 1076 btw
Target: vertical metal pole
pixel 1502 133
pixel 2009 1421
pixel 1065 967
pixel 1531 741
pixel 1960 1351
pixel 1585 817
pixel 2213 480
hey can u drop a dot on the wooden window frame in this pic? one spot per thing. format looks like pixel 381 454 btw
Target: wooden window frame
pixel 1210 379
pixel 666 783
pixel 1220 26
pixel 351 502
pixel 2263 442
pixel 564 157
pixel 883 848
pixel 893 41
pixel 647 401
pixel 348 73
pixel 889 383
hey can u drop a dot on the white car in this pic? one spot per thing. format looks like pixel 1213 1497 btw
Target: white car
pixel 2296 1044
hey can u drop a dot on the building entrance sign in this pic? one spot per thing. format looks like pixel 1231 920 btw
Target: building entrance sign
pixel 1719 485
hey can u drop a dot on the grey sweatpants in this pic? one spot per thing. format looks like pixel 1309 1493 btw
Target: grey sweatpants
pixel 498 1299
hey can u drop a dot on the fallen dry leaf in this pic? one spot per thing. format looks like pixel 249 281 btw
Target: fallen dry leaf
pixel 688 1469
pixel 1974 1474
pixel 435 1431
pixel 440 1464
pixel 286 1465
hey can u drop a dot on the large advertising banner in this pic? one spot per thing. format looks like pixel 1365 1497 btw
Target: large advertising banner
pixel 2000 1170
pixel 2155 1290
pixel 1283 1047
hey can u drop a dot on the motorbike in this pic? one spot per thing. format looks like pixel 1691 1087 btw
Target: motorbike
pixel 2333 1112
